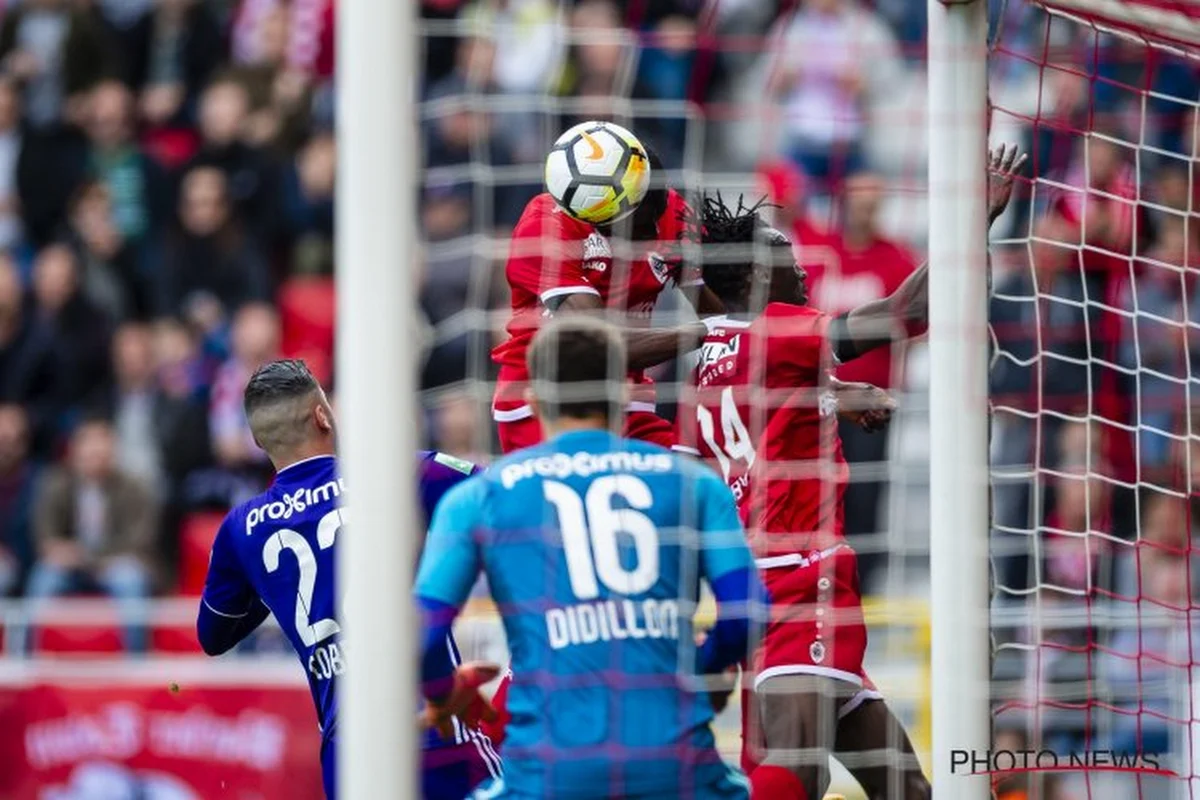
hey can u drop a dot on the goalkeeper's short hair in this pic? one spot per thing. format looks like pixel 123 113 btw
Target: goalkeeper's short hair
pixel 577 366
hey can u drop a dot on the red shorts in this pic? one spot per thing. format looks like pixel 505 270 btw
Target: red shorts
pixel 643 425
pixel 816 625
pixel 816 628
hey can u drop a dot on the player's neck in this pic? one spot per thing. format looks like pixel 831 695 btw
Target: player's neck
pixel 293 457
pixel 574 425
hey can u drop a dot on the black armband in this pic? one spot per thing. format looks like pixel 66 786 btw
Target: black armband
pixel 845 347
pixel 839 340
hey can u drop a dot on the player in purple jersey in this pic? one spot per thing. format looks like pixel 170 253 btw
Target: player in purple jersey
pixel 275 554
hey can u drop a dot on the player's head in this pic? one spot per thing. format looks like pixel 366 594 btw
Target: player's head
pixel 577 372
pixel 642 224
pixel 747 263
pixel 288 412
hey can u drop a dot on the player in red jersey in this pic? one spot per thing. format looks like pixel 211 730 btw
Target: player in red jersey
pixel 764 411
pixel 558 264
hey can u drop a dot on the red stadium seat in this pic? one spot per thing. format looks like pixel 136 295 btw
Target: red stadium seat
pixel 196 536
pixel 174 639
pixel 61 631
pixel 307 308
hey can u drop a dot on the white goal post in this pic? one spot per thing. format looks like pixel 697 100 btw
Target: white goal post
pixel 376 392
pixel 958 391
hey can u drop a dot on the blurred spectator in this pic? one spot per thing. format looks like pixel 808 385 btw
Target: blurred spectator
pixel 307 34
pixel 1153 576
pixel 18 481
pixel 255 341
pixel 783 186
pixel 174 47
pixel 26 368
pixel 132 180
pixel 280 95
pixel 457 430
pixel 460 131
pixel 1101 203
pixel 1078 523
pixel 181 414
pixel 251 180
pixel 138 446
pixel 74 336
pixel 598 68
pixel 1163 534
pixel 96 529
pixel 1160 341
pixel 308 205
pixel 667 71
pixel 869 267
pixel 528 38
pixel 11 227
pixel 1051 143
pixel 209 266
pixel 821 74
pixel 57 50
pixel 112 272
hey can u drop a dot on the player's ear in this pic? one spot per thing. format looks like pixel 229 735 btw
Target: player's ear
pixel 323 417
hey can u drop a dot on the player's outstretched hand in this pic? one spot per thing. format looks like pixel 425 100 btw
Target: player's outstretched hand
pixel 867 406
pixel 464 700
pixel 1004 162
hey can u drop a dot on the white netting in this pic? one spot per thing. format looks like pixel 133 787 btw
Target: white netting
pixel 1094 315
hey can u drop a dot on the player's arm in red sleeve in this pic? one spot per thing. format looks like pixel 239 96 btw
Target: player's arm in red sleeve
pixel 875 324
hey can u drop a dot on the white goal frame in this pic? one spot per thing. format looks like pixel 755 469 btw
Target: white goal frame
pixel 377 75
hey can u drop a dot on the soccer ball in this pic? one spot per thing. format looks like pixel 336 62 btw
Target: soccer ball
pixel 598 172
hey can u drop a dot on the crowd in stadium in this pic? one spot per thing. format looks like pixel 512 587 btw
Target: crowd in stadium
pixel 166 216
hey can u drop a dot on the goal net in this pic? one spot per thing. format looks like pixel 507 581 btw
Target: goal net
pixel 1094 315
pixel 1094 312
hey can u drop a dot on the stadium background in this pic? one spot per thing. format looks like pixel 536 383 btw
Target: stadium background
pixel 166 219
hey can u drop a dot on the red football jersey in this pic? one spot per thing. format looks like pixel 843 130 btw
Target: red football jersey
pixel 554 254
pixel 762 411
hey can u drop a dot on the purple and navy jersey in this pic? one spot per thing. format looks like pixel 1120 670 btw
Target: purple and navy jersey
pixel 277 550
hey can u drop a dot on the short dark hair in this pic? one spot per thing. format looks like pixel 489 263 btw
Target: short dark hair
pixel 272 386
pixel 729 237
pixel 577 367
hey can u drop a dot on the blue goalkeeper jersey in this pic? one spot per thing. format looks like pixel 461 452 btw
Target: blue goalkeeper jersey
pixel 594 548
pixel 278 550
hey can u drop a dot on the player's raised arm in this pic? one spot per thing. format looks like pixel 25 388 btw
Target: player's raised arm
pixel 728 566
pixel 873 324
pixel 230 609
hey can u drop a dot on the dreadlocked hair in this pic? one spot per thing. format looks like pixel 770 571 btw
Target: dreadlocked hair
pixel 728 235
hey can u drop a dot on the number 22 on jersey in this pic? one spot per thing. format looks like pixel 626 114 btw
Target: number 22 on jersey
pixel 310 631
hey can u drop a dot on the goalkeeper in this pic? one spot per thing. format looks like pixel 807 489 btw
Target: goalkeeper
pixel 594 547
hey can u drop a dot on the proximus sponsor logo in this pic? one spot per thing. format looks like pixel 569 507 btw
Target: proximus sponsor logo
pixel 289 505
pixel 563 465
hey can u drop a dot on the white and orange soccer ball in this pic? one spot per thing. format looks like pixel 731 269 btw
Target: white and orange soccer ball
pixel 598 172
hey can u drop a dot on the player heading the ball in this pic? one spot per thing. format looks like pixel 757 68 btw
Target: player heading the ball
pixel 604 239
pixel 594 547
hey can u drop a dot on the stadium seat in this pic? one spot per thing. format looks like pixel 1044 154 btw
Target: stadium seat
pixel 60 632
pixel 196 536
pixel 307 307
pixel 168 638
